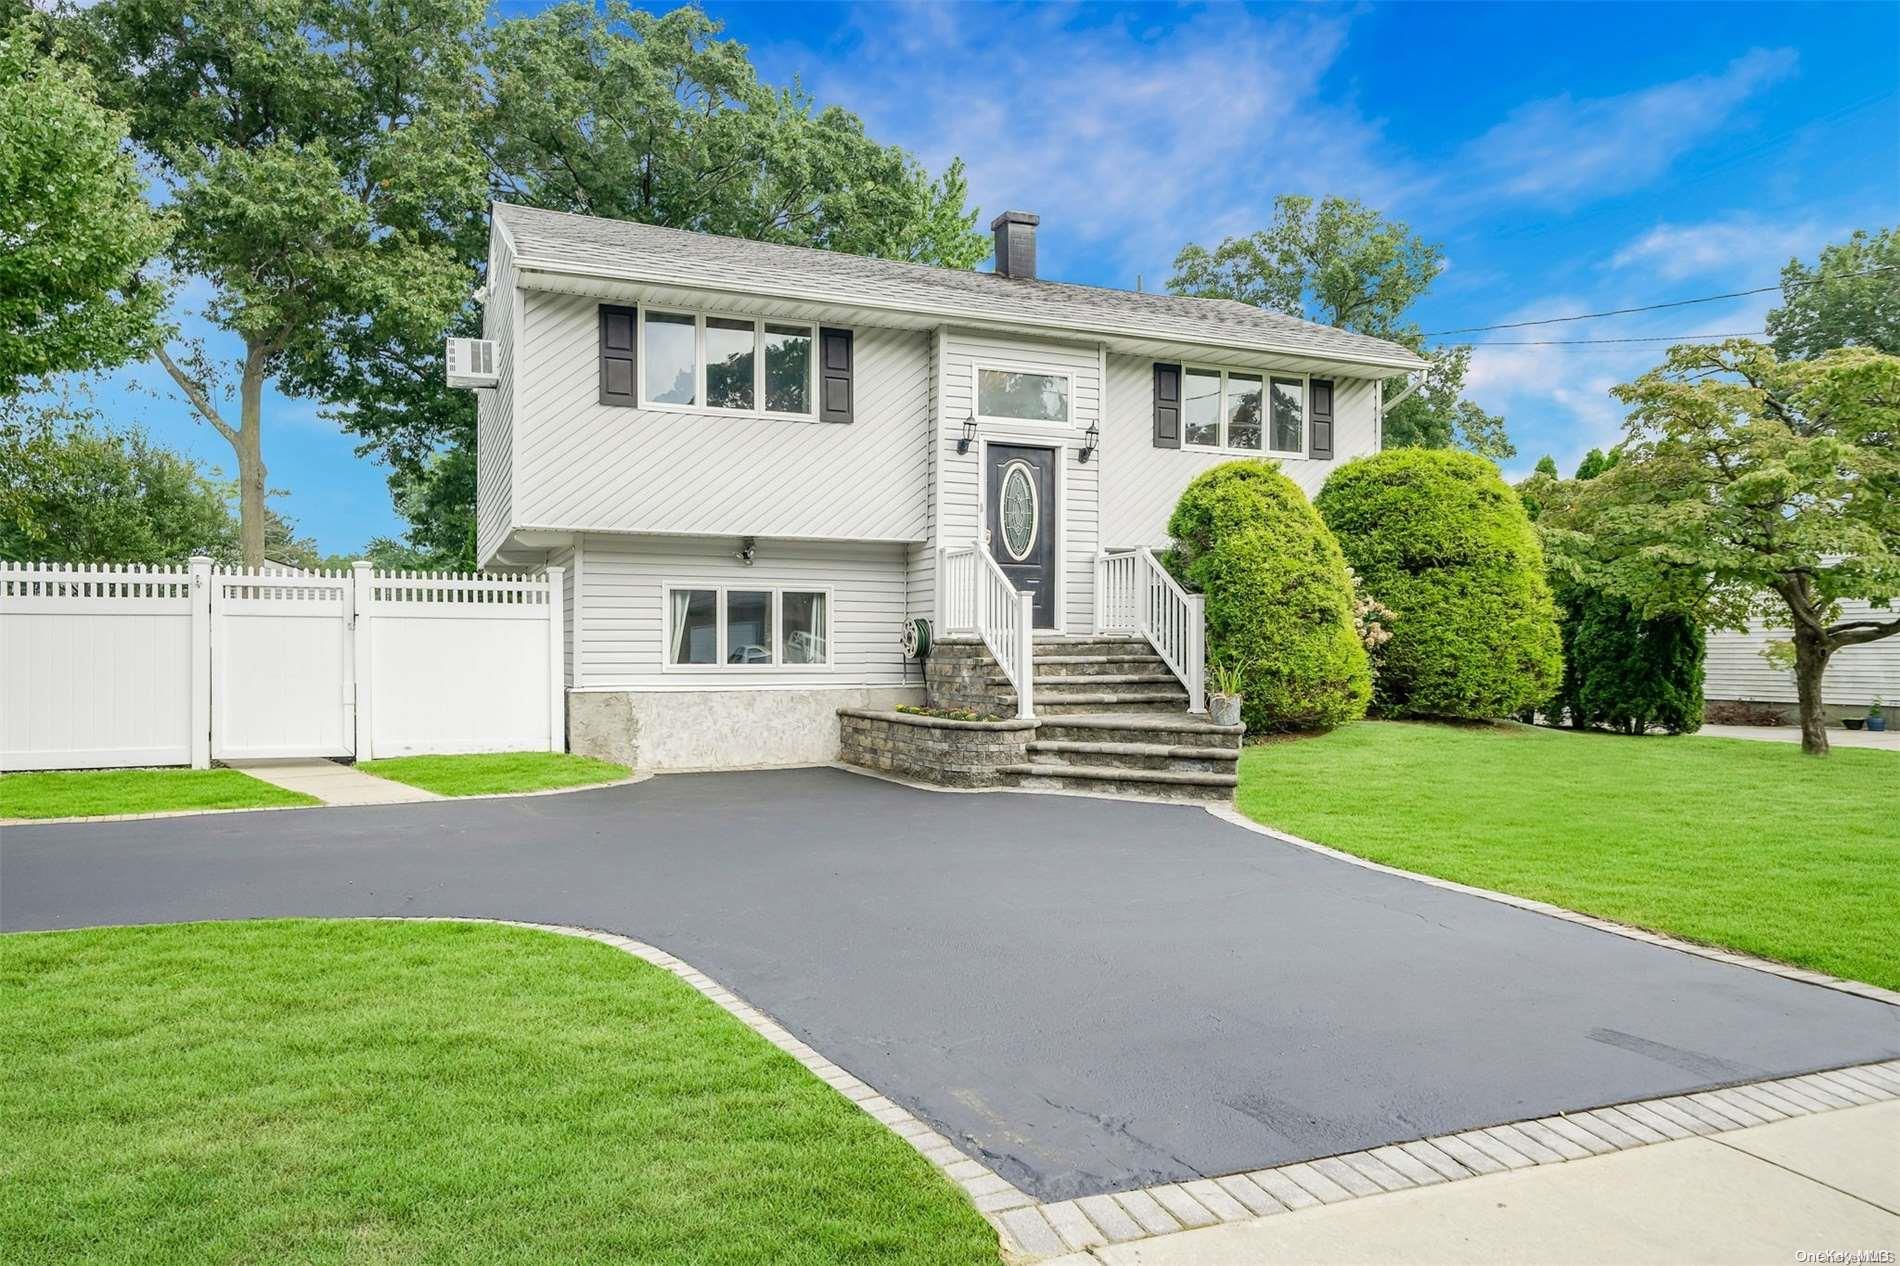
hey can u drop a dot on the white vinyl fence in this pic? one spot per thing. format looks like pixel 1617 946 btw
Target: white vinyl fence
pixel 108 667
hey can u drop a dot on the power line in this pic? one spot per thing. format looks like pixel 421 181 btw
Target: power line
pixel 1656 307
pixel 1578 342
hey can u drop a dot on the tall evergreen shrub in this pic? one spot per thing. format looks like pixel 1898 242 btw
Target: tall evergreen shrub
pixel 1624 672
pixel 1279 600
pixel 1438 537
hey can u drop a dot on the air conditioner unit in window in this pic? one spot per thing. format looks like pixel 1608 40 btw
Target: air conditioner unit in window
pixel 472 363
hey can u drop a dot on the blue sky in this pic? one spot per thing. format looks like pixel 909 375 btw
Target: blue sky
pixel 1569 158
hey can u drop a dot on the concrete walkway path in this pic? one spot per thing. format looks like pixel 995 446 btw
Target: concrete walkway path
pixel 1809 1185
pixel 332 783
pixel 1837 736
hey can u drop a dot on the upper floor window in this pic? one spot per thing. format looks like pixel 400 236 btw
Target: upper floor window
pixel 1008 395
pixel 1228 409
pixel 734 364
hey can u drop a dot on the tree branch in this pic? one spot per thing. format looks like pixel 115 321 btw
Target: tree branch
pixel 195 393
pixel 1858 632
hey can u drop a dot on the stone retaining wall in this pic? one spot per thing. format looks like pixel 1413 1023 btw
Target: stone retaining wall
pixel 932 749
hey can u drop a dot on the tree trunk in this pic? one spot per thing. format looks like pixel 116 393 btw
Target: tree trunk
pixel 1811 653
pixel 249 445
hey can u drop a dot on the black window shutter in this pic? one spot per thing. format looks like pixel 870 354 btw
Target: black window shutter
pixel 1167 406
pixel 617 355
pixel 1320 403
pixel 834 375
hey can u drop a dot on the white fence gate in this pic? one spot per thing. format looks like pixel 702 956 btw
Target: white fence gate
pixel 282 681
pixel 106 667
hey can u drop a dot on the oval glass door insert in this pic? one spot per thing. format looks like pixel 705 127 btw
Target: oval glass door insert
pixel 1020 517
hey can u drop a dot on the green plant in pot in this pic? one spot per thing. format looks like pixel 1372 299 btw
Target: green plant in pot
pixel 1876 720
pixel 1223 703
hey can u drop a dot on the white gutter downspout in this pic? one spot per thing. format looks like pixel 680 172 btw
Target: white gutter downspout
pixel 1411 384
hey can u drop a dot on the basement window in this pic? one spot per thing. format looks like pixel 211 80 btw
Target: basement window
pixel 740 627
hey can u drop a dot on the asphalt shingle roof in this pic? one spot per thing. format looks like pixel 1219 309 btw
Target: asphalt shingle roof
pixel 623 250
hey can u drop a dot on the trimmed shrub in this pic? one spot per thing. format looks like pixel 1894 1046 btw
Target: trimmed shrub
pixel 1624 672
pixel 1279 601
pixel 1438 537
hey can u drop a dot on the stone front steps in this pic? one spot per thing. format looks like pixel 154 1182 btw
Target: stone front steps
pixel 1111 716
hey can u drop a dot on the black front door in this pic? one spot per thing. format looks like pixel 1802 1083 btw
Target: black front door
pixel 1019 525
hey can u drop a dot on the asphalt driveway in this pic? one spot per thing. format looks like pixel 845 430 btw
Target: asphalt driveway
pixel 1088 995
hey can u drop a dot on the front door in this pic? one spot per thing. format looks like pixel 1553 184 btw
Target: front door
pixel 1019 524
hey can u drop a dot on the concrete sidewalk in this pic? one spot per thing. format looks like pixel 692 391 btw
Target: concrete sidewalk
pixel 1812 1184
pixel 332 783
pixel 1837 736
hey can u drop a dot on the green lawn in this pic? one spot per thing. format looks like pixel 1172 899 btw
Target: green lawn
pixel 1729 842
pixel 92 792
pixel 491 772
pixel 372 1092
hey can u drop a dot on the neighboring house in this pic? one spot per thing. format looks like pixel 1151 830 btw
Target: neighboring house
pixel 1741 684
pixel 758 463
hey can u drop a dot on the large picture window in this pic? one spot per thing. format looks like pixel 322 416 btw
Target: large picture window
pixel 748 628
pixel 1008 395
pixel 731 364
pixel 1242 412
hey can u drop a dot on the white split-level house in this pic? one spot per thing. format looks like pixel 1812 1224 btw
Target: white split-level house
pixel 757 463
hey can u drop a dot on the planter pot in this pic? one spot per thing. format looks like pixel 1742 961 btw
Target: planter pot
pixel 1853 723
pixel 1876 723
pixel 1223 709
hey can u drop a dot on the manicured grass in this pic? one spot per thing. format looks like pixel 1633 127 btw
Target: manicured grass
pixel 491 772
pixel 93 792
pixel 1741 844
pixel 400 1092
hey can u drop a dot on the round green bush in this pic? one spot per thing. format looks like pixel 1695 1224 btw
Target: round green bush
pixel 1438 537
pixel 1279 601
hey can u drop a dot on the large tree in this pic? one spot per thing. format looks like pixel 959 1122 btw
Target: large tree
pixel 311 153
pixel 1748 485
pixel 1850 298
pixel 624 114
pixel 74 225
pixel 1342 263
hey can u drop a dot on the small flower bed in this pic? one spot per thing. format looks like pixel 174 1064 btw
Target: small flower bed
pixel 947 714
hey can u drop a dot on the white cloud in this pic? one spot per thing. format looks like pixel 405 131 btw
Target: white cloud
pixel 1129 140
pixel 1560 149
pixel 1743 249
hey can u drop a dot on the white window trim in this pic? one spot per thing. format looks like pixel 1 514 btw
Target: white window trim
pixel 1266 377
pixel 1049 371
pixel 699 366
pixel 720 646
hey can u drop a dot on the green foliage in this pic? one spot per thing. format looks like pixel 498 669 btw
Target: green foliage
pixel 74 491
pixel 1547 465
pixel 947 714
pixel 624 114
pixel 74 226
pixel 1850 298
pixel 1342 263
pixel 1438 537
pixel 1624 672
pixel 1279 601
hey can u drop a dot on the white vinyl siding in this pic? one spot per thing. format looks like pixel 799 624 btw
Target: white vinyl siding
pixel 494 409
pixel 1140 483
pixel 1856 675
pixel 625 616
pixel 959 492
pixel 584 466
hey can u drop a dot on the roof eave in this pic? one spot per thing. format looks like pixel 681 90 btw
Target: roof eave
pixel 1405 362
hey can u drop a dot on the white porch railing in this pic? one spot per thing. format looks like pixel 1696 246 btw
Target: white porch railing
pixel 1135 593
pixel 978 598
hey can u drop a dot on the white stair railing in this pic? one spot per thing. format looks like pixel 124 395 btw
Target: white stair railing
pixel 979 598
pixel 1135 593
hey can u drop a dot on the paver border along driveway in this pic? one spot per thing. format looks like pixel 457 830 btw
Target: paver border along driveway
pixel 1086 996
